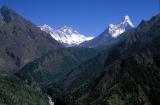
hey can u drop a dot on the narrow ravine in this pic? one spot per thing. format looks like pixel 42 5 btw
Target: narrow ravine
pixel 50 101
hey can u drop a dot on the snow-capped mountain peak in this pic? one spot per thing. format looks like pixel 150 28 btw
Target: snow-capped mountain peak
pixel 116 30
pixel 66 35
pixel 128 21
pixel 68 30
pixel 46 28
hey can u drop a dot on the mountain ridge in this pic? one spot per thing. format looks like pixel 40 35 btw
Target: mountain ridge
pixel 66 35
pixel 111 34
pixel 21 41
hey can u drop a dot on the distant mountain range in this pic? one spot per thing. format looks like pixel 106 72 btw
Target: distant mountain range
pixel 66 35
pixel 70 37
pixel 111 34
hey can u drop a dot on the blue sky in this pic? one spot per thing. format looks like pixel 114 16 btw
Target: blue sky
pixel 89 17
